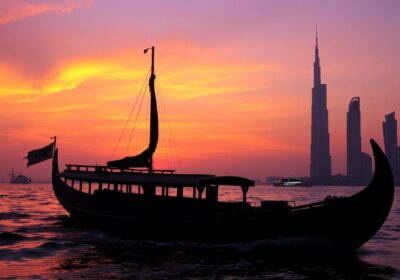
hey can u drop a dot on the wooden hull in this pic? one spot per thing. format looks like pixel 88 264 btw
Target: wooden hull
pixel 344 224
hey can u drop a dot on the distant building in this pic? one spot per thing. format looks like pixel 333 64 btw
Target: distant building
pixel 366 168
pixel 398 166
pixel 354 155
pixel 390 139
pixel 270 180
pixel 320 167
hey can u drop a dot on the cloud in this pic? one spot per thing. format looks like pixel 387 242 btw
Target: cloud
pixel 18 87
pixel 183 75
pixel 16 10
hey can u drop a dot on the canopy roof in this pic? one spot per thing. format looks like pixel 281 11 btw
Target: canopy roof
pixel 167 180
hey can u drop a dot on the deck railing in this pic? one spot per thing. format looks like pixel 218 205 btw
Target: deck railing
pixel 106 169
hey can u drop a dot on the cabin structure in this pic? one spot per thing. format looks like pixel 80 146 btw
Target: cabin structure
pixel 93 179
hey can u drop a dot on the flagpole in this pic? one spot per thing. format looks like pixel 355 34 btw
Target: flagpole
pixel 55 140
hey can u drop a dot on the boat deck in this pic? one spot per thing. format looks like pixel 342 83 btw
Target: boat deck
pixel 166 178
pixel 138 178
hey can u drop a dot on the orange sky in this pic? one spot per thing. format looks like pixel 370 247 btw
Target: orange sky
pixel 235 78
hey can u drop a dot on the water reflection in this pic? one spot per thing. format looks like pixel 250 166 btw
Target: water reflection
pixel 38 240
pixel 144 259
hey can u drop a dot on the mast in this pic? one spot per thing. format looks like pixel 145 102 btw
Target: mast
pixel 154 114
pixel 152 61
pixel 145 158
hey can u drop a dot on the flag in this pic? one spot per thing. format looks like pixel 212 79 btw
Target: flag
pixel 39 155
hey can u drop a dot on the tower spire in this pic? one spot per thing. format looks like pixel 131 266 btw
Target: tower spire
pixel 317 68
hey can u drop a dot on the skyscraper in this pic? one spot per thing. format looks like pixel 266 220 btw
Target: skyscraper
pixel 320 168
pixel 366 169
pixel 359 164
pixel 390 139
pixel 354 154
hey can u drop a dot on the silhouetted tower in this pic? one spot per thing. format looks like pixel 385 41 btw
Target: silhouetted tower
pixel 390 139
pixel 320 169
pixel 354 155
pixel 366 169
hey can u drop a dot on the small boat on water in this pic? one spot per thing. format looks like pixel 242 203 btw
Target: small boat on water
pixel 129 196
pixel 289 182
pixel 19 179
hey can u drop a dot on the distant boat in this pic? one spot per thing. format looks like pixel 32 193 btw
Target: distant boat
pixel 128 196
pixel 19 179
pixel 290 182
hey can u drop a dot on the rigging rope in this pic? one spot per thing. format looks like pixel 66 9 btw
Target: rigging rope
pixel 130 115
pixel 134 124
pixel 170 136
pixel 166 127
pixel 164 132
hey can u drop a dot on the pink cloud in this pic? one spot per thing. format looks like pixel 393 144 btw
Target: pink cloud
pixel 15 10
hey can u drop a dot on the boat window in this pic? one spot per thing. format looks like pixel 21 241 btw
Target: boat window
pixel 159 191
pixel 85 187
pixel 188 192
pixel 172 192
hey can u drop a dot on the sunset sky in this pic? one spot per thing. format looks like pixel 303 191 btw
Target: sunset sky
pixel 235 78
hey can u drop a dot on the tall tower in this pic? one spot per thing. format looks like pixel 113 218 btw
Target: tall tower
pixel 390 139
pixel 320 168
pixel 354 155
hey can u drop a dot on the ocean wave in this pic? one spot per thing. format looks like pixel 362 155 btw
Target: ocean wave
pixel 58 218
pixel 7 254
pixel 52 245
pixel 10 237
pixel 32 253
pixel 47 248
pixel 13 215
pixel 266 247
pixel 285 248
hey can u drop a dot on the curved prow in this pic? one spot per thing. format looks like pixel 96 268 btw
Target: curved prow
pixel 382 182
pixel 379 194
pixel 55 169
pixel 56 180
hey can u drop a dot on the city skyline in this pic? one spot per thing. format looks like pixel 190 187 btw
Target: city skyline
pixel 234 77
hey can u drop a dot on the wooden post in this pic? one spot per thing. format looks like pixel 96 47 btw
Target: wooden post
pixel 90 187
pixel 200 189
pixel 179 192
pixel 212 193
pixel 244 190
pixel 80 186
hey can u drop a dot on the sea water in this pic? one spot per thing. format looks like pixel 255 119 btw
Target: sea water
pixel 39 241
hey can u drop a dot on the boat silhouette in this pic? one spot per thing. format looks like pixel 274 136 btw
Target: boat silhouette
pixel 19 179
pixel 129 196
pixel 290 182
